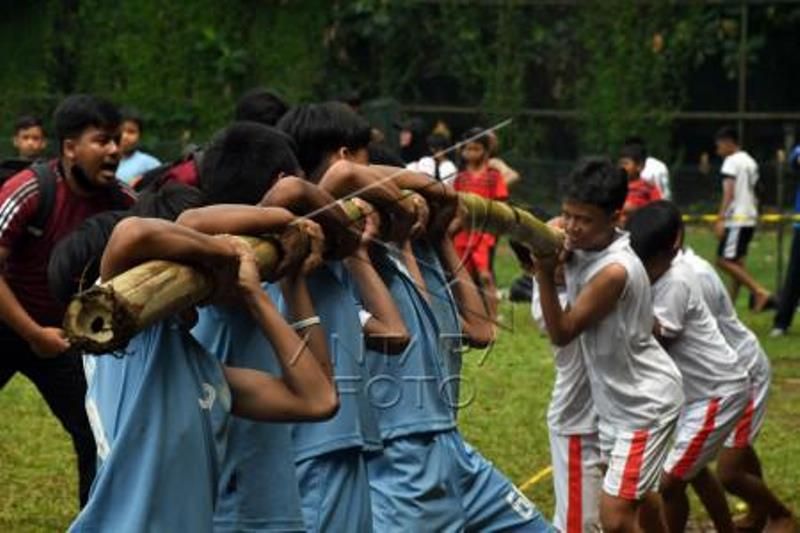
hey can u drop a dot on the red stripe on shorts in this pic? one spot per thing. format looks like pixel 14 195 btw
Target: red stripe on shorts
pixel 741 436
pixel 696 444
pixel 575 486
pixel 633 465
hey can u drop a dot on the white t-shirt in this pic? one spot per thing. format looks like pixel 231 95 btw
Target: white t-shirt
pixel 738 336
pixel 427 165
pixel 634 383
pixel 657 173
pixel 709 366
pixel 743 210
pixel 571 410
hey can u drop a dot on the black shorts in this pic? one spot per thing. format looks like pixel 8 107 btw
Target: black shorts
pixel 735 242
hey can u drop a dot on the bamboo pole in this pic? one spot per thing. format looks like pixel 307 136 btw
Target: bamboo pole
pixel 105 317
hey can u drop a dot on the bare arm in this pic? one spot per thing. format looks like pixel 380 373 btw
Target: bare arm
pixel 594 302
pixel 136 240
pixel 510 175
pixel 385 330
pixel 301 307
pixel 475 320
pixel 303 392
pixel 236 219
pixel 305 198
pixel 345 179
pixel 728 184
pixel 45 341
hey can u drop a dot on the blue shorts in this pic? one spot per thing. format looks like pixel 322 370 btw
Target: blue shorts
pixel 412 488
pixel 335 492
pixel 489 501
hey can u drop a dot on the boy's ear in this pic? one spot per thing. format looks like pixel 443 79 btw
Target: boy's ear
pixel 344 153
pixel 68 149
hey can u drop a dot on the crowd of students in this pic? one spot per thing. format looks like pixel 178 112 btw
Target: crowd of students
pixel 326 397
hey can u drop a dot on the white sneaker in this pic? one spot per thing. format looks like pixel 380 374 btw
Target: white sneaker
pixel 777 332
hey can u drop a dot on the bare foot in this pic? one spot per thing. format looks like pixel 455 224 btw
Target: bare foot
pixel 748 523
pixel 761 300
pixel 783 524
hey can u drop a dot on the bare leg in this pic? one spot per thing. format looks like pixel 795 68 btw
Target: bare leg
pixel 651 514
pixel 618 515
pixel 489 293
pixel 739 470
pixel 740 275
pixel 712 495
pixel 676 503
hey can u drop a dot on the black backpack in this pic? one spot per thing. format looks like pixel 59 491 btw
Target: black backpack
pixel 46 180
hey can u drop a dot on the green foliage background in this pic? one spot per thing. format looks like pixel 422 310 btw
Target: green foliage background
pixel 622 65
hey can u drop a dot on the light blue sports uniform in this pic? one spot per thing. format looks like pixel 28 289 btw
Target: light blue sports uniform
pixel 444 309
pixel 428 478
pixel 258 489
pixel 329 456
pixel 159 412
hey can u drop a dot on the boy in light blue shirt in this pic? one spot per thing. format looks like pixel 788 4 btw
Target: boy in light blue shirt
pixel 134 162
pixel 159 408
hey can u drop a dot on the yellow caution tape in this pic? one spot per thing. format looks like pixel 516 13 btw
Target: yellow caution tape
pixel 770 218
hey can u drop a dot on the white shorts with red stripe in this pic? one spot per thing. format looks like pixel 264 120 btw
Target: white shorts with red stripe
pixel 702 429
pixel 636 460
pixel 749 425
pixel 577 478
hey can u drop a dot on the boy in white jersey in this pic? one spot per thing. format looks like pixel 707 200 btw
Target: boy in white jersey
pixel 715 383
pixel 738 214
pixel 572 425
pixel 636 387
pixel 738 465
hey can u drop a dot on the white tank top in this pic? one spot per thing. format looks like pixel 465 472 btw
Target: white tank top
pixel 738 336
pixel 634 383
pixel 571 410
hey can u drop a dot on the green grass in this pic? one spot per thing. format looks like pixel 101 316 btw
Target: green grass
pixel 509 387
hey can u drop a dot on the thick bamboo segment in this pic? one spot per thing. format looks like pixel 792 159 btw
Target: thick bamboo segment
pixel 502 219
pixel 105 317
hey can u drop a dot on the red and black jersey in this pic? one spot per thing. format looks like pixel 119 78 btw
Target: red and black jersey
pixel 26 265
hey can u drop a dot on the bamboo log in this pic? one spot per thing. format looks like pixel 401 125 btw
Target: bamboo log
pixel 105 317
pixel 500 218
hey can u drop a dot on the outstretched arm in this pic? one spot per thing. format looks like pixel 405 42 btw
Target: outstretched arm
pixel 306 199
pixel 236 219
pixel 136 240
pixel 345 178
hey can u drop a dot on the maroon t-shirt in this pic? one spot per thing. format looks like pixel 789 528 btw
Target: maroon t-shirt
pixel 26 265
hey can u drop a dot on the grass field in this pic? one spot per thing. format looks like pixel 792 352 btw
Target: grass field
pixel 509 387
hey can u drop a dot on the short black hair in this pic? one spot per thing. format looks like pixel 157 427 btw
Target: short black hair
pixel 727 133
pixel 633 151
pixel 129 114
pixel 319 129
pixel 260 105
pixel 654 229
pixel 78 112
pixel 75 261
pixel 243 161
pixel 438 142
pixel 380 154
pixel 28 121
pixel 168 201
pixel 597 181
pixel 477 135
